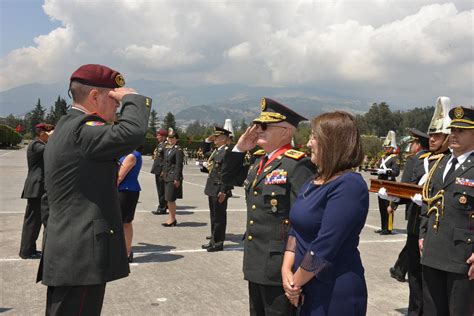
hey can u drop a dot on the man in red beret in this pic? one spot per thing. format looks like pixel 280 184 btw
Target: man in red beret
pixel 157 168
pixel 34 191
pixel 84 245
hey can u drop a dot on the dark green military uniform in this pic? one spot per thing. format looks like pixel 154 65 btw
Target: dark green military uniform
pixel 215 185
pixel 448 231
pixel 173 170
pixel 156 169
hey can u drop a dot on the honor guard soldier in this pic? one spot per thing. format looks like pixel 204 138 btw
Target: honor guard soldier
pixel 447 229
pixel 157 169
pixel 409 258
pixel 271 185
pixel 388 169
pixel 34 192
pixel 173 176
pixel 217 191
pixel 84 245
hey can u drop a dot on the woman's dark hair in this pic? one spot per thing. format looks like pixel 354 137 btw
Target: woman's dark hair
pixel 338 143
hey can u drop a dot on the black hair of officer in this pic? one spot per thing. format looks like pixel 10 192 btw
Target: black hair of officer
pixel 275 112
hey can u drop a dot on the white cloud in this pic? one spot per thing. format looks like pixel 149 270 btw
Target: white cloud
pixel 406 50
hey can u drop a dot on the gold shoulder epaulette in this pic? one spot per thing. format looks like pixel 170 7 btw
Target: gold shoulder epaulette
pixel 434 157
pixel 259 152
pixel 294 154
pixel 393 155
pixel 424 155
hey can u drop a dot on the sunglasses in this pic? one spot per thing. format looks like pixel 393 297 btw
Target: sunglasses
pixel 264 126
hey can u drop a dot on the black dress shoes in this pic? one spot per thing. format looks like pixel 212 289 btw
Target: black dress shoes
pixel 386 232
pixel 159 211
pixel 170 224
pixel 208 237
pixel 34 255
pixel 397 275
pixel 206 246
pixel 215 248
pixel 378 231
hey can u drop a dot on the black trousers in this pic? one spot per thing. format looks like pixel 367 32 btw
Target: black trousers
pixel 383 204
pixel 269 300
pixel 218 214
pixel 75 300
pixel 447 293
pixel 31 227
pixel 401 265
pixel 160 189
pixel 415 281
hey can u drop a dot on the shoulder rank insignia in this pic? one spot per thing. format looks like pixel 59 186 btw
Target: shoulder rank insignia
pixel 294 154
pixel 95 123
pixel 259 152
pixel 424 155
pixel 435 157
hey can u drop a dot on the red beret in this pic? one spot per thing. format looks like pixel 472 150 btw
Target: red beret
pixel 98 76
pixel 162 132
pixel 44 127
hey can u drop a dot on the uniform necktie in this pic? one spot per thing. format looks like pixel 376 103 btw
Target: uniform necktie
pixel 262 164
pixel 453 167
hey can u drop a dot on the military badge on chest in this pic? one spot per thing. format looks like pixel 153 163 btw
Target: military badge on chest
pixel 278 176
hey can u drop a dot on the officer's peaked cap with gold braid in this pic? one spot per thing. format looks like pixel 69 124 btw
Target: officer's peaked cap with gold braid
pixel 98 76
pixel 274 112
pixel 221 131
pixel 461 117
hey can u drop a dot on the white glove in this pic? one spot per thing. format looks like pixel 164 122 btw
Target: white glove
pixel 198 163
pixel 204 164
pixel 417 199
pixel 381 171
pixel 384 196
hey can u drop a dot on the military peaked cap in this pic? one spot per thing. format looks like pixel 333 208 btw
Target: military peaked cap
pixel 98 76
pixel 419 136
pixel 221 131
pixel 461 117
pixel 274 112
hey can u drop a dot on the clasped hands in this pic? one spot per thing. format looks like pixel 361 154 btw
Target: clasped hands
pixel 292 291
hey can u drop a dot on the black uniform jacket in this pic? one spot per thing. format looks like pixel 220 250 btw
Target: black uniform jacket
pixel 84 242
pixel 159 155
pixel 269 197
pixel 391 163
pixel 448 247
pixel 173 166
pixel 34 183
pixel 215 183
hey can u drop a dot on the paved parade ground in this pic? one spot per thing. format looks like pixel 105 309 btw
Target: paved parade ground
pixel 171 274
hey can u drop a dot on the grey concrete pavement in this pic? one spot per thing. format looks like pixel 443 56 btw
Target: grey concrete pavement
pixel 171 273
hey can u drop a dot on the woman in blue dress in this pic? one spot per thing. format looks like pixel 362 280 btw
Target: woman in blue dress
pixel 322 271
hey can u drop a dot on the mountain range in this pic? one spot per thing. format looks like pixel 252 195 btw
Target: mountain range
pixel 206 103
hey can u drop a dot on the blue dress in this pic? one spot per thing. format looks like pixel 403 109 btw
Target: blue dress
pixel 326 222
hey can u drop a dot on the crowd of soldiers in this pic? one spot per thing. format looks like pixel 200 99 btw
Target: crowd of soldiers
pixel 82 211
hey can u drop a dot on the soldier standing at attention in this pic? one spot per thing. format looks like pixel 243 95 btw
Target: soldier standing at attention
pixel 84 244
pixel 157 168
pixel 217 191
pixel 33 191
pixel 447 227
pixel 271 186
pixel 172 176
pixel 388 169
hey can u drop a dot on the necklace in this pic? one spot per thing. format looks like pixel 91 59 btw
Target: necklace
pixel 307 188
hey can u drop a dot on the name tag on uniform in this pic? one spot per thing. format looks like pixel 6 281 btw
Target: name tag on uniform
pixel 277 176
pixel 465 182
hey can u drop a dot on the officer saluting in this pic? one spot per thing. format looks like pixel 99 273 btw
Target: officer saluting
pixel 84 244
pixel 217 191
pixel 447 230
pixel 271 185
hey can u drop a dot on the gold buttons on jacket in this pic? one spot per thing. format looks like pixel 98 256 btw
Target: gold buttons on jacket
pixel 463 200
pixel 472 216
pixel 468 241
pixel 111 231
pixel 273 193
pixel 251 222
pixel 250 237
pixel 255 193
pixel 254 207
pixel 287 221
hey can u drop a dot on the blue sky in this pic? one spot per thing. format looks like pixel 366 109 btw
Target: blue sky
pixel 21 21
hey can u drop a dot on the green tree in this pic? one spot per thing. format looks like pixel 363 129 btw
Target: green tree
pixel 13 121
pixel 169 121
pixel 153 122
pixel 380 119
pixel 60 109
pixel 34 117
